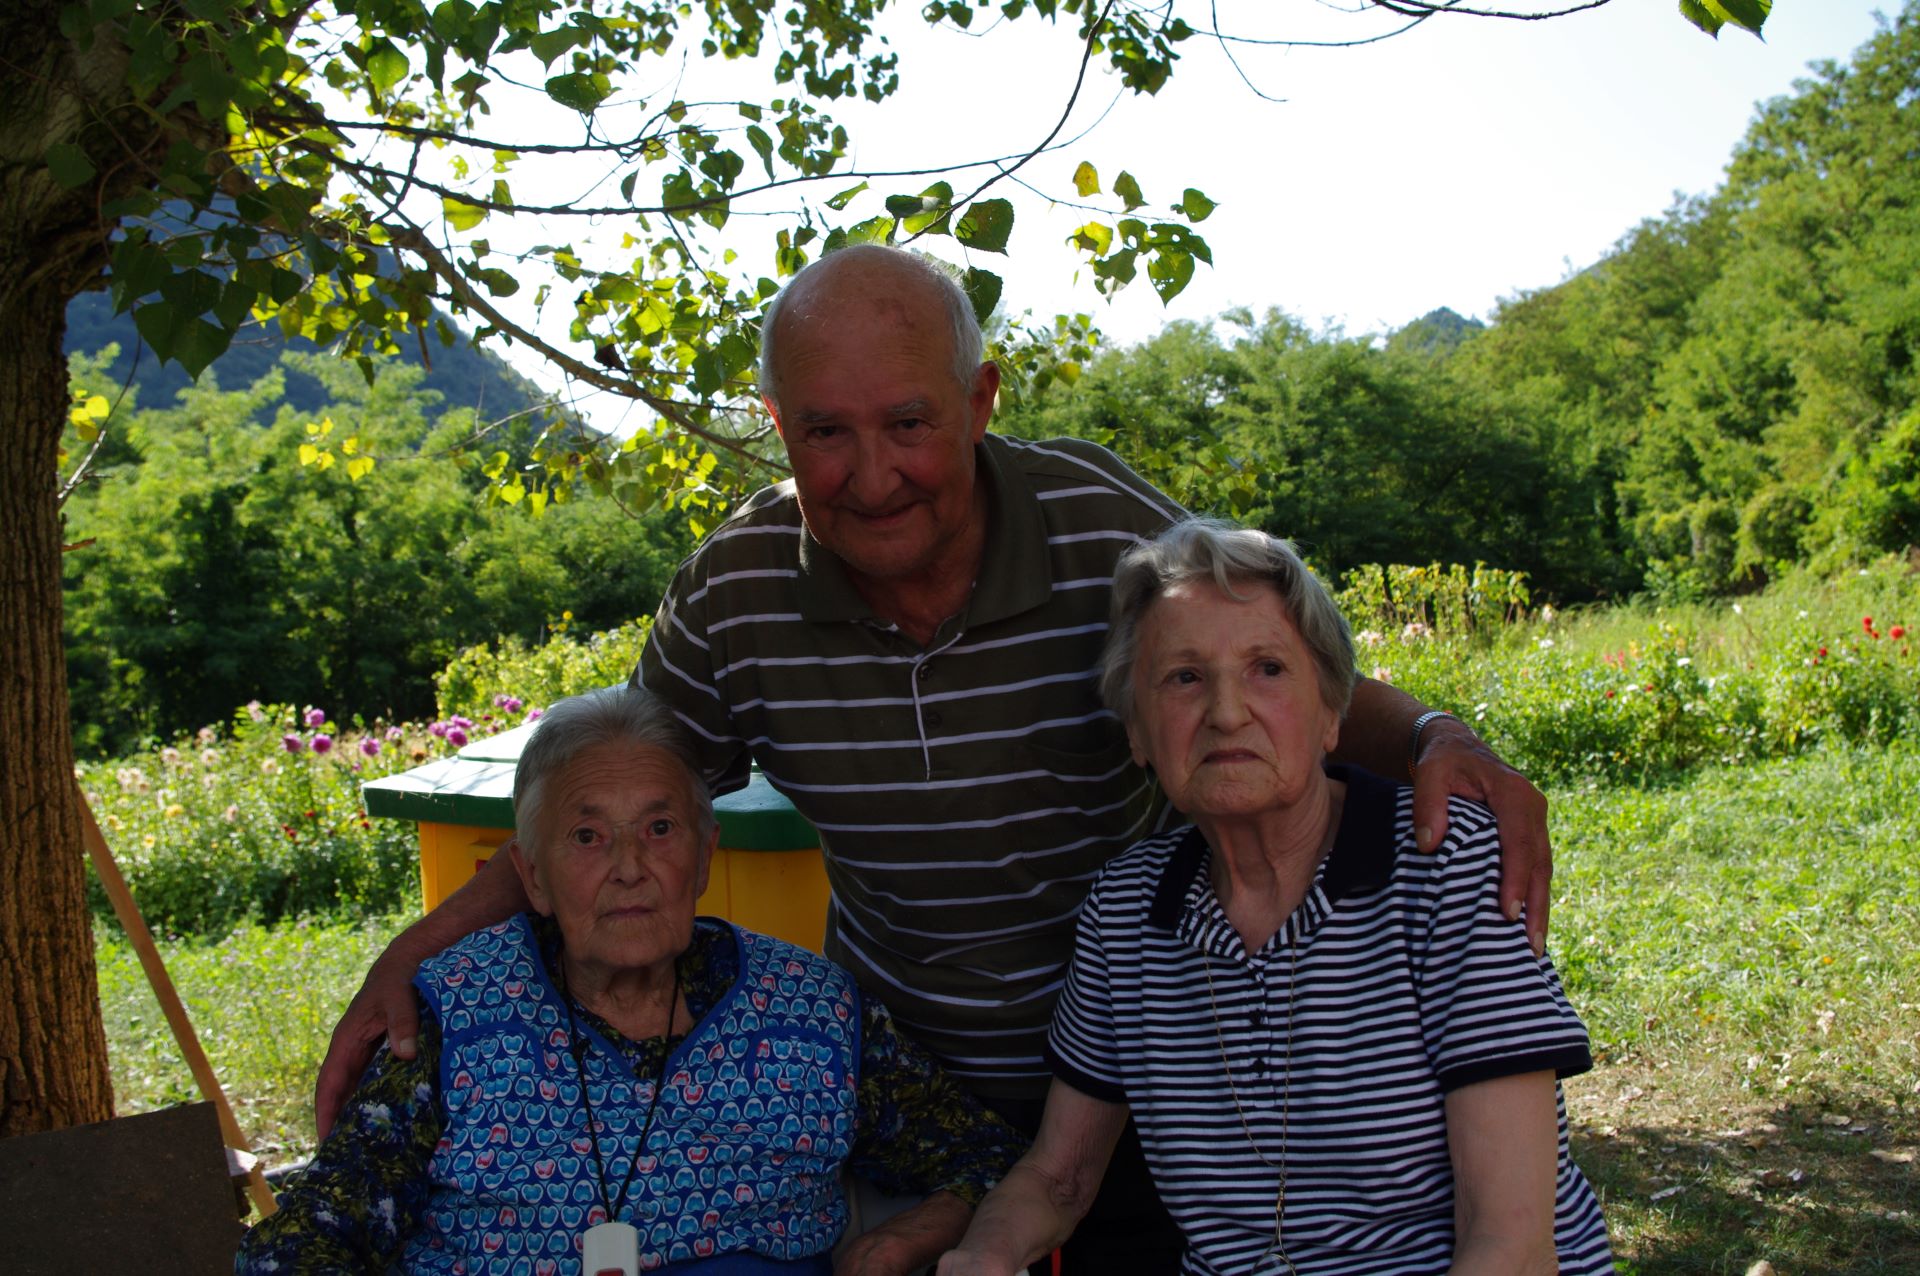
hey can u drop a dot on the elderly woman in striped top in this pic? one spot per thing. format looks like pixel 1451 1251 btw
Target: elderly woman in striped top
pixel 1341 1057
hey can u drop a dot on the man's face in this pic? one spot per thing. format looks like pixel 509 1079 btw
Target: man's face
pixel 880 433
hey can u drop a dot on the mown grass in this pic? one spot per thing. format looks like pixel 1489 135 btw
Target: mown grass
pixel 1745 949
pixel 1744 945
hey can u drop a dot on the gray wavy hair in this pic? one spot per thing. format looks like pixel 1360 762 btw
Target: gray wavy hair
pixel 969 344
pixel 1209 549
pixel 631 716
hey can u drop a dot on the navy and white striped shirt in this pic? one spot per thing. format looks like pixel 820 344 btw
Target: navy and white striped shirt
pixel 1402 981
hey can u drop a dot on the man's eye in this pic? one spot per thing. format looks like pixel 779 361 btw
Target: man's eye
pixel 824 435
pixel 660 828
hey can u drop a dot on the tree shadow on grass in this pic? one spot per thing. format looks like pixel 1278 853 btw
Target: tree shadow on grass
pixel 1806 1187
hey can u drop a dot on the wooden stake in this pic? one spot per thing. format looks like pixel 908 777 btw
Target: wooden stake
pixel 136 927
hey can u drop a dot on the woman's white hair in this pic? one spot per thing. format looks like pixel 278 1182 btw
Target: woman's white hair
pixel 630 716
pixel 969 344
pixel 1208 549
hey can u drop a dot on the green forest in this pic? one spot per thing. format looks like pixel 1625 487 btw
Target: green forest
pixel 1727 394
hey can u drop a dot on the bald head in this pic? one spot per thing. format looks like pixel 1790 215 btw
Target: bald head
pixel 912 291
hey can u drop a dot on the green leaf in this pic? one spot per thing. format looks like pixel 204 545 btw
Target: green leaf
pixel 986 225
pixel 845 197
pixel 549 45
pixel 70 165
pixel 1170 271
pixel 1086 180
pixel 1696 12
pixel 386 65
pixel 1749 14
pixel 461 215
pixel 926 211
pixel 1196 206
pixel 582 91
pixel 762 146
pixel 1094 237
pixel 983 290
pixel 1129 191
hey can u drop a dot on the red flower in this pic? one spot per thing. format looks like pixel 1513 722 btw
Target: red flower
pixel 1823 651
pixel 1609 695
pixel 1866 622
pixel 1898 631
pixel 1649 686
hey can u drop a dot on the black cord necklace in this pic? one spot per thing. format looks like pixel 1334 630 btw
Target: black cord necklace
pixel 578 1048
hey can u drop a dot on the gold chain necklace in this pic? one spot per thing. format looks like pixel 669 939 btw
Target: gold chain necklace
pixel 1278 1249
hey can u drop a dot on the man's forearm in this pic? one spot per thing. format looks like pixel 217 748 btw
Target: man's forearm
pixel 1378 729
pixel 490 896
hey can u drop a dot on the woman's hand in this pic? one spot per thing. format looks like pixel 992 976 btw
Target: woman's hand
pixel 908 1241
pixel 962 1263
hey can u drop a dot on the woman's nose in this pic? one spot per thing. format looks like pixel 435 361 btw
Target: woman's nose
pixel 1226 706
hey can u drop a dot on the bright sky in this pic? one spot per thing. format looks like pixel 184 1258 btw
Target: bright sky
pixel 1455 165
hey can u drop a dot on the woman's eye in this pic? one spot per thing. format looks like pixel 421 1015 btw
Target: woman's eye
pixel 1271 668
pixel 1183 677
pixel 584 837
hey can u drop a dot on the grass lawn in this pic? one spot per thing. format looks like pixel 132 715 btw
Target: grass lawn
pixel 1745 948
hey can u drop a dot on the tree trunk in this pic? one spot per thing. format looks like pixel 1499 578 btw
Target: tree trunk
pixel 53 1051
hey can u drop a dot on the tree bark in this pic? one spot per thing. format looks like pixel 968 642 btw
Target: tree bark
pixel 53 1050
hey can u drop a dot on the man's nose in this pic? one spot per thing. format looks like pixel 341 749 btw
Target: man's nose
pixel 874 477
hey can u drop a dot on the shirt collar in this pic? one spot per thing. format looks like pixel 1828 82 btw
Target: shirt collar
pixel 1014 575
pixel 1360 862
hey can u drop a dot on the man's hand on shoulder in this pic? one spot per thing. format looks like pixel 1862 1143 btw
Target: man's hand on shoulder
pixel 384 1007
pixel 1455 762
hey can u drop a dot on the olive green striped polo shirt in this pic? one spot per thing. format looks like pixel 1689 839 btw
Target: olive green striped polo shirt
pixel 966 792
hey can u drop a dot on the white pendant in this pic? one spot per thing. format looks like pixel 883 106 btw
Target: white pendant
pixel 610 1249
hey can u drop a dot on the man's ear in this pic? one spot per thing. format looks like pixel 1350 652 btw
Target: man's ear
pixel 529 870
pixel 773 410
pixel 980 399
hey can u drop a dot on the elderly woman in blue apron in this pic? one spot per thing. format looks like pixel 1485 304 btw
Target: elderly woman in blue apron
pixel 609 1084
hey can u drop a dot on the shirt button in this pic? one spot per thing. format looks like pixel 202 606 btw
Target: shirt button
pixel 926 672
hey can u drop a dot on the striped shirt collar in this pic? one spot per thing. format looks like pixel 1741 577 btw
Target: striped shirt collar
pixel 1360 862
pixel 1014 575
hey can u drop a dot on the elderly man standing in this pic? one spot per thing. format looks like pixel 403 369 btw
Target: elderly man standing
pixel 905 638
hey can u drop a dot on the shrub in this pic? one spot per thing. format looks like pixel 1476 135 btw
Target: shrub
pixel 475 680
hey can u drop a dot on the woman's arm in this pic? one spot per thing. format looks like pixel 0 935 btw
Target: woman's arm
pixel 1037 1205
pixel 1503 1136
pixel 356 1203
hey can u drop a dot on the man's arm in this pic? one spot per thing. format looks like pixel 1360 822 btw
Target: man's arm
pixel 385 1005
pixel 1455 761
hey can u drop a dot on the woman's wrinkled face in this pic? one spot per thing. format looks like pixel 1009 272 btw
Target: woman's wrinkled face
pixel 1227 705
pixel 620 857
